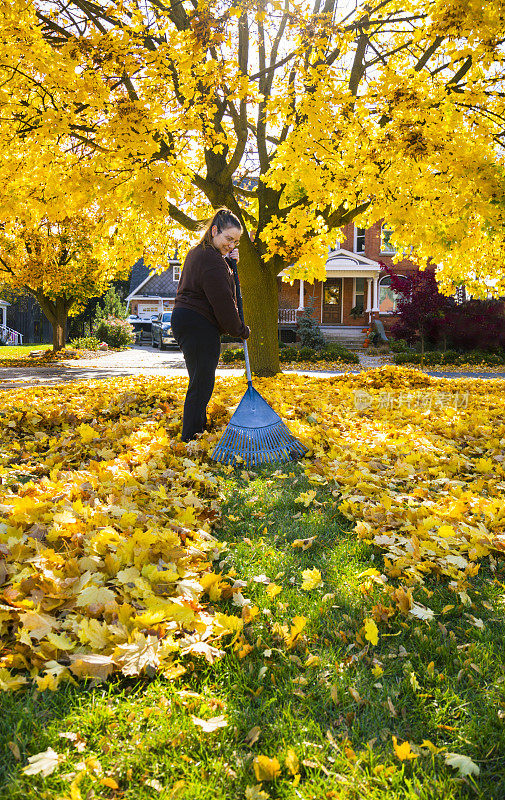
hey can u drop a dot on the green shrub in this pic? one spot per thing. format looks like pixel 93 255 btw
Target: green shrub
pixel 85 343
pixel 230 356
pixel 309 331
pixel 288 354
pixel 398 345
pixel 115 332
pixel 452 357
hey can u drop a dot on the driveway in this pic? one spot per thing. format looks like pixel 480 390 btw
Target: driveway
pixel 148 360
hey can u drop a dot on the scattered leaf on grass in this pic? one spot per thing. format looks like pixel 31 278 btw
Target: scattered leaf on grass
pixel 311 579
pixel 210 725
pixel 266 769
pixel 463 764
pixel 44 763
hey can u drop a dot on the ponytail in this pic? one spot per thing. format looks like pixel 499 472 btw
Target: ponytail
pixel 222 219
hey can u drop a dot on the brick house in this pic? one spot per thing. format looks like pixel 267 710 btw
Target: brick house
pixel 356 290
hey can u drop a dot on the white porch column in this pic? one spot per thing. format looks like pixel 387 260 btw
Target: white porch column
pixel 368 295
pixel 375 294
pixel 301 300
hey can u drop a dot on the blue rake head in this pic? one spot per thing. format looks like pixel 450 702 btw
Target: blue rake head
pixel 256 435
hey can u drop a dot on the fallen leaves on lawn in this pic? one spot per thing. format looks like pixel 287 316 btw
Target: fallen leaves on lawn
pixel 105 542
pixel 106 546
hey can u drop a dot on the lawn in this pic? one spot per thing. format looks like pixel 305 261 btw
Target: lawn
pixel 366 583
pixel 21 351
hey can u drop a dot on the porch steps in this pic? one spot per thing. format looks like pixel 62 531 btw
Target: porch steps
pixel 349 336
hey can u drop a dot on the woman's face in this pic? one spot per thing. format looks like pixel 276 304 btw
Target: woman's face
pixel 227 240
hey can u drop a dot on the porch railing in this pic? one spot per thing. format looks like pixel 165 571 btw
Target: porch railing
pixel 10 336
pixel 287 315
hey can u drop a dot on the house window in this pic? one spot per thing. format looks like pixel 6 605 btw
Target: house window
pixel 176 272
pixel 386 246
pixel 387 296
pixel 359 294
pixel 359 243
pixel 460 295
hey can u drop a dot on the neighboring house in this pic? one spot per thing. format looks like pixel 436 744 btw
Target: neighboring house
pixel 8 334
pixel 356 291
pixel 152 292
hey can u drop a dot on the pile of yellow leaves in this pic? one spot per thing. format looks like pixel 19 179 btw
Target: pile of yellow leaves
pixel 104 535
pixel 420 465
pixel 106 517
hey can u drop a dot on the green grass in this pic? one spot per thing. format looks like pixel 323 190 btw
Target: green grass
pixel 443 682
pixel 20 351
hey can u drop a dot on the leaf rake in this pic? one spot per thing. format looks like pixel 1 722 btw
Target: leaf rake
pixel 255 434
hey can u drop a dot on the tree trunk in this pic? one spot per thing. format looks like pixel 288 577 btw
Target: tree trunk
pixel 59 327
pixel 260 294
pixel 56 312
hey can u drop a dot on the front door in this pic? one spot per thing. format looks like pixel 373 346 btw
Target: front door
pixel 332 301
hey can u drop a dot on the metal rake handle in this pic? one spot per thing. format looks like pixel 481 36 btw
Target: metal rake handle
pixel 233 264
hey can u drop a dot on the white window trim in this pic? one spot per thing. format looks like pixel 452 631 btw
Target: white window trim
pixel 365 290
pixel 176 270
pixel 362 252
pixel 386 252
pixel 387 313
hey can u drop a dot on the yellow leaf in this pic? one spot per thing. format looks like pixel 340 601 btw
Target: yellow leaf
pixel 311 579
pixel 110 782
pixel 8 682
pixel 371 631
pixel 266 769
pixel 304 544
pixel 292 762
pixel 224 624
pixel 61 641
pixel 87 433
pixel 403 751
pixel 306 498
pixel 273 590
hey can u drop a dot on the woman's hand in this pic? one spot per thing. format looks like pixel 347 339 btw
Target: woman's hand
pixel 234 254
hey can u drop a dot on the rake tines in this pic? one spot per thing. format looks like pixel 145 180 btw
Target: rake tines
pixel 256 435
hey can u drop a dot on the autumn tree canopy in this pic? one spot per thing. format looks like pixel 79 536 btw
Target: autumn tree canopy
pixel 298 118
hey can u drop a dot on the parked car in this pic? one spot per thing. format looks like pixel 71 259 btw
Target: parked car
pixel 161 331
pixel 142 329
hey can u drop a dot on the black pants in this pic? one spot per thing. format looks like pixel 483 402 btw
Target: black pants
pixel 200 342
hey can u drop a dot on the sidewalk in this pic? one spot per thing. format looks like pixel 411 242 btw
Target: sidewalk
pixel 148 361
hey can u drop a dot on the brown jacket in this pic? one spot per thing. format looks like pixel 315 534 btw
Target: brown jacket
pixel 208 287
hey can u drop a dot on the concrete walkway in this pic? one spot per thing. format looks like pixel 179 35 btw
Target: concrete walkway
pixel 149 361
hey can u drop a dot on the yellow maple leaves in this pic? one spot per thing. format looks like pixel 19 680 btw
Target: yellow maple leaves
pixel 311 579
pixel 107 561
pixel 101 570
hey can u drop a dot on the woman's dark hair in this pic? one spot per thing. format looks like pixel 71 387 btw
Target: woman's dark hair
pixel 222 219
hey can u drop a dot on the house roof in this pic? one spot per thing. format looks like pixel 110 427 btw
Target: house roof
pixel 156 284
pixel 344 264
pixel 140 271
